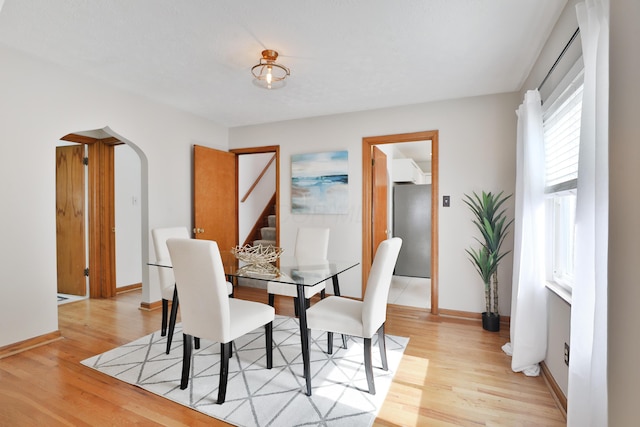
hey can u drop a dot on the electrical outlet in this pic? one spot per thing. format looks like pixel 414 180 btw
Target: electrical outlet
pixel 446 201
pixel 566 354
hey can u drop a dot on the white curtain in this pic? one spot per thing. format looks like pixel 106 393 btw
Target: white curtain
pixel 587 399
pixel 528 346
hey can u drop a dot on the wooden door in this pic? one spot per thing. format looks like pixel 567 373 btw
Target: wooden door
pixel 379 212
pixel 214 200
pixel 70 220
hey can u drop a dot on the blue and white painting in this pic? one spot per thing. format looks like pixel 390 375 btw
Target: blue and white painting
pixel 320 183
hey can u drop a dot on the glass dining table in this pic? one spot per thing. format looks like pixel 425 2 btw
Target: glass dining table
pixel 296 273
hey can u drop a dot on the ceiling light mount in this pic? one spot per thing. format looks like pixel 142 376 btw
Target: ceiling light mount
pixel 267 73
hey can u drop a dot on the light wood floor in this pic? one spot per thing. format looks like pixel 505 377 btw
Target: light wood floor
pixel 452 374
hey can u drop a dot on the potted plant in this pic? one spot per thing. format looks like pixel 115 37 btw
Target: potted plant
pixel 491 220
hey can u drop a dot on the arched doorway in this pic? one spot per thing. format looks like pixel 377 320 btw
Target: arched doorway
pixel 100 212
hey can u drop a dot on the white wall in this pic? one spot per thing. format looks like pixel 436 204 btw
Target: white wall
pixel 128 214
pixel 477 152
pixel 40 103
pixel 624 217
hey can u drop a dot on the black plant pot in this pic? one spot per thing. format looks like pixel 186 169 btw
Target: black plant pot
pixel 490 322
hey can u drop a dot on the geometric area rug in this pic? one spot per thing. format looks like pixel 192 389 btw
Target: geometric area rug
pixel 257 396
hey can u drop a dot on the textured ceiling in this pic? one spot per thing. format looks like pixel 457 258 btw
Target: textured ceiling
pixel 344 55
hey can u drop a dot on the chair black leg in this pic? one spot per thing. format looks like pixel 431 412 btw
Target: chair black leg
pixel 268 333
pixel 368 367
pixel 329 342
pixel 224 371
pixel 383 348
pixel 295 306
pixel 271 299
pixel 172 319
pixel 186 360
pixel 323 294
pixel 197 343
pixel 344 341
pixel 165 311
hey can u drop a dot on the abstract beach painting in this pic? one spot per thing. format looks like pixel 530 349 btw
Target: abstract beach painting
pixel 320 183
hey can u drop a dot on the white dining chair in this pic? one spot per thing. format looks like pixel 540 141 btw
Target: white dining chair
pixel 167 280
pixel 312 245
pixel 207 311
pixel 364 318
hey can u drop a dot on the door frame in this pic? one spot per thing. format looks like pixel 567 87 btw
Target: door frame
pixel 101 213
pixel 367 202
pixel 258 150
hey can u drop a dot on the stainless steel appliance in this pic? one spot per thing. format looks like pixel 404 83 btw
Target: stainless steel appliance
pixel 412 223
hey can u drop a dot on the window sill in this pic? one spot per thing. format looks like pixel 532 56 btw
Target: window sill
pixel 560 291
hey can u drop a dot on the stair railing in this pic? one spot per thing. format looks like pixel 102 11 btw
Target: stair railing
pixel 255 183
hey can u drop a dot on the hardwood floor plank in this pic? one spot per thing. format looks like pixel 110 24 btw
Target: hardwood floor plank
pixel 452 374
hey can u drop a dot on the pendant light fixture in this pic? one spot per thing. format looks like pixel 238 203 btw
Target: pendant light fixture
pixel 267 73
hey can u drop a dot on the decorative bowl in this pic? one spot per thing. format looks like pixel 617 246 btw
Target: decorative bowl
pixel 258 259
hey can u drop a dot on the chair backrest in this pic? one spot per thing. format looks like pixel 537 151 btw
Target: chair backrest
pixel 160 236
pixel 374 310
pixel 202 288
pixel 312 243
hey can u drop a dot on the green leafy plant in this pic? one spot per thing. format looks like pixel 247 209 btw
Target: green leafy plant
pixel 491 221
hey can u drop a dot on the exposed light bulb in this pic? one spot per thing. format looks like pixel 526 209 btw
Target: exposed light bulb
pixel 269 76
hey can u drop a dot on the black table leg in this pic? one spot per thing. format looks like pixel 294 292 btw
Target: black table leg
pixel 336 285
pixel 304 337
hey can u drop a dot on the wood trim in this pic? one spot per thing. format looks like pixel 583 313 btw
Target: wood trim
pixel 148 306
pixel 111 141
pixel 102 261
pixel 461 314
pixel 255 183
pixel 555 389
pixel 109 220
pixel 94 223
pixel 367 210
pixel 18 347
pixel 435 228
pixel 505 320
pixel 367 203
pixel 80 139
pixel 127 288
pixel 257 150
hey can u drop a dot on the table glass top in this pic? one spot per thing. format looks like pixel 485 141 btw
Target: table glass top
pixel 291 270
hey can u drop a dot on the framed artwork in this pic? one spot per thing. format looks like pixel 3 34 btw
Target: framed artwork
pixel 320 183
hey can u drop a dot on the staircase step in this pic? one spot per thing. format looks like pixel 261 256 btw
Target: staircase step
pixel 268 233
pixel 271 219
pixel 264 242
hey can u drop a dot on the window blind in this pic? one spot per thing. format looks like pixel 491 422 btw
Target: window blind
pixel 561 125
